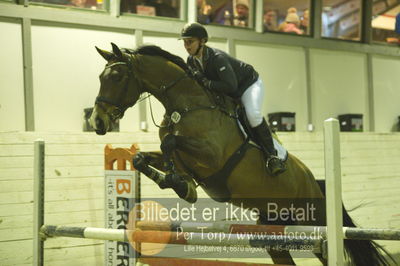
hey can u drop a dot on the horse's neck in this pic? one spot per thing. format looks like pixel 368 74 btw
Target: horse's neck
pixel 157 72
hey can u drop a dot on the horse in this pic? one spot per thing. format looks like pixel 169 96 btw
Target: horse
pixel 203 144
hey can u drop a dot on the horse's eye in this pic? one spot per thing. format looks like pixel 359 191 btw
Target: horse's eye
pixel 116 77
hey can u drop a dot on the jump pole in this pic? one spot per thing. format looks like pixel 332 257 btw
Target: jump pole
pixel 38 201
pixel 145 231
pixel 178 238
pixel 234 228
pixel 333 183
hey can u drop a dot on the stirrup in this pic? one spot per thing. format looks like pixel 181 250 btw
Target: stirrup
pixel 275 165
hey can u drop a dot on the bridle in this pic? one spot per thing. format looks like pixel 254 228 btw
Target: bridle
pixel 120 108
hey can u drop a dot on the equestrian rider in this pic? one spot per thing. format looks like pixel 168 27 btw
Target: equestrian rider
pixel 216 70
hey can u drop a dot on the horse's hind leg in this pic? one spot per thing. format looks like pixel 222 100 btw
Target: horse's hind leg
pixel 322 259
pixel 281 257
pixel 278 257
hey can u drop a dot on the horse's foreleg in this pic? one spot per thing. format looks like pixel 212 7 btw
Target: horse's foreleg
pixel 185 189
pixel 155 159
pixel 168 145
pixel 141 163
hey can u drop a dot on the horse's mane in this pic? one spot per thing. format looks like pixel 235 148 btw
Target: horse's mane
pixel 157 51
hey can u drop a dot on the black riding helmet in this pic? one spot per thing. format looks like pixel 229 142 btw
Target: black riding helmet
pixel 194 30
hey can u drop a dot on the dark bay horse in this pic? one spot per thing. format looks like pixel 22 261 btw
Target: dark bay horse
pixel 200 136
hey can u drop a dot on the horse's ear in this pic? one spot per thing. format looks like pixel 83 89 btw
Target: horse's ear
pixel 106 55
pixel 116 50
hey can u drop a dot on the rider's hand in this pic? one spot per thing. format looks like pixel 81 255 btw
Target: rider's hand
pixel 196 74
pixel 200 78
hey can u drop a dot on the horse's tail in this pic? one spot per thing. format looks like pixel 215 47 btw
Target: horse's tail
pixel 360 252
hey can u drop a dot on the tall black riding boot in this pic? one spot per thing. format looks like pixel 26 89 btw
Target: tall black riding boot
pixel 264 138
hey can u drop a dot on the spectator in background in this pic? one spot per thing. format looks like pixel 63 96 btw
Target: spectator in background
pixel 242 13
pixel 396 38
pixel 161 8
pixel 56 2
pixel 291 23
pixel 220 12
pixel 78 3
pixel 270 20
pixel 283 24
pixel 203 12
pixel 305 21
pixel 223 12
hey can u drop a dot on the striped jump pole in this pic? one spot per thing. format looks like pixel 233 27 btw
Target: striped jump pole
pixel 121 235
pixel 189 238
pixel 234 228
pixel 83 232
pixel 371 233
pixel 226 227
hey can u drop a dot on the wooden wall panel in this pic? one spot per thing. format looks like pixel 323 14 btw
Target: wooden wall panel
pixel 75 184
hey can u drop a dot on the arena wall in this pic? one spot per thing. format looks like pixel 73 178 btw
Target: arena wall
pixel 75 186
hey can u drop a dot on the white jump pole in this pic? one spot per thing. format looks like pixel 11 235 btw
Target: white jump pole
pixel 333 185
pixel 38 201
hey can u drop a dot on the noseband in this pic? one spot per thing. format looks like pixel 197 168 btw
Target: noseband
pixel 119 108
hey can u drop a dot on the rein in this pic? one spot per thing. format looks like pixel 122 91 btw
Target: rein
pixel 173 118
pixel 176 115
pixel 164 89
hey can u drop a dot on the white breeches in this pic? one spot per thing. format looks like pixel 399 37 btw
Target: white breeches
pixel 252 100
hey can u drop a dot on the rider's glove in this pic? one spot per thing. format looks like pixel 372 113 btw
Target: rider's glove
pixel 206 83
pixel 200 78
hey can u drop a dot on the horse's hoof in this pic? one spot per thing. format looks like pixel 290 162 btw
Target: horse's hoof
pixel 139 161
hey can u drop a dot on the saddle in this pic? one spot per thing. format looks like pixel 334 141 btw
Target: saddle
pixel 234 109
pixel 244 124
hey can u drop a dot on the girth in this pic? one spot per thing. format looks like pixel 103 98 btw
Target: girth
pixel 216 184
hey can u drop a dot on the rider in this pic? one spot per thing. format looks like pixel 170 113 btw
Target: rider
pixel 216 70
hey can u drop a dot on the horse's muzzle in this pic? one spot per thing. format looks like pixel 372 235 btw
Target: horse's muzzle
pixel 100 128
pixel 100 132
